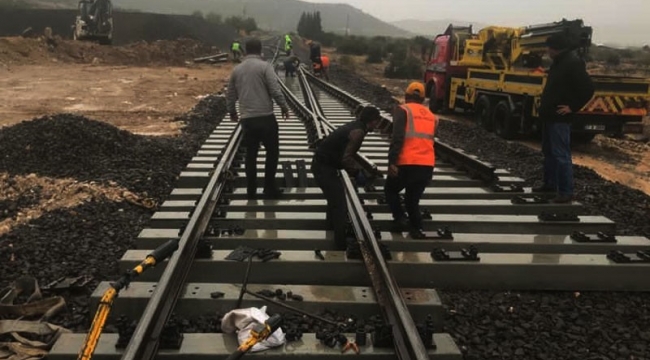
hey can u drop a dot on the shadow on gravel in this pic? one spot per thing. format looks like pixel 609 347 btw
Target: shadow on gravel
pixel 70 146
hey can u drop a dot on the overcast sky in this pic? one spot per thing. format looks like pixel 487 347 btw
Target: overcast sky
pixel 632 16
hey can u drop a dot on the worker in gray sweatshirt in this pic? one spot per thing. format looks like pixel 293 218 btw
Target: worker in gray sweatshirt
pixel 254 84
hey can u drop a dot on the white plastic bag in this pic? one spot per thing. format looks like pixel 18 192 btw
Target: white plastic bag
pixel 243 320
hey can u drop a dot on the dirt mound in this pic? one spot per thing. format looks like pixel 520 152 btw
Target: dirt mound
pixel 21 51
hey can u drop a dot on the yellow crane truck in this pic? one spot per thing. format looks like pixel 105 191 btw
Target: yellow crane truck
pixel 497 74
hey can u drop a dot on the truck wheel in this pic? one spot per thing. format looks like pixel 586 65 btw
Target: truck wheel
pixel 504 124
pixel 582 138
pixel 482 113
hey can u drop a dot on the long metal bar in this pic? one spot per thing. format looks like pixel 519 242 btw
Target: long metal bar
pixel 406 338
pixel 475 167
pixel 145 340
pixel 408 344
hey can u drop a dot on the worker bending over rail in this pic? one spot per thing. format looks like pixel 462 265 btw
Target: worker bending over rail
pixel 411 159
pixel 337 152
pixel 254 84
pixel 568 88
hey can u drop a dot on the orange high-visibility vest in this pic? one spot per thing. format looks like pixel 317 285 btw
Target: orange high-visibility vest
pixel 325 60
pixel 418 137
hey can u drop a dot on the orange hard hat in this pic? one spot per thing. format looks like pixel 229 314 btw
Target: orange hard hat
pixel 415 88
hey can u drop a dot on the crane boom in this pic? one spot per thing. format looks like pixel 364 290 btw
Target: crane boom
pixel 503 48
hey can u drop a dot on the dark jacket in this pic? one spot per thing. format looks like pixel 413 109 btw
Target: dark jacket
pixel 314 52
pixel 340 147
pixel 568 83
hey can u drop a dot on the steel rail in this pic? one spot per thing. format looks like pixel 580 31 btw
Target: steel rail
pixel 322 121
pixel 474 167
pixel 406 338
pixel 146 338
pixel 310 119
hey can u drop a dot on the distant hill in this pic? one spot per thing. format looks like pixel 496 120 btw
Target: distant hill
pixel 619 34
pixel 431 28
pixel 276 15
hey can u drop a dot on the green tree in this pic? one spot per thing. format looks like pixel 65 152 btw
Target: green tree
pixel 198 14
pixel 248 24
pixel 310 26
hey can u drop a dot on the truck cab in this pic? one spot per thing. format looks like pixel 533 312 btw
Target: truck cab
pixel 444 63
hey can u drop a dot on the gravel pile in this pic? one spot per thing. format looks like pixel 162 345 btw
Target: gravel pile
pixel 88 239
pixel 85 240
pixel 72 146
pixel 544 325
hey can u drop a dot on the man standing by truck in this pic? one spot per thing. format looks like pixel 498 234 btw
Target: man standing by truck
pixel 411 160
pixel 568 88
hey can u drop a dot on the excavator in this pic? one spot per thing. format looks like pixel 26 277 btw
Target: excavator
pixel 94 22
pixel 499 75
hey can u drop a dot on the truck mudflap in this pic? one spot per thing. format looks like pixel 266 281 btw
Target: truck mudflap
pixel 617 104
pixel 614 123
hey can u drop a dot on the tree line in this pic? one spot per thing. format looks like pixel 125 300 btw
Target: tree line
pixel 240 23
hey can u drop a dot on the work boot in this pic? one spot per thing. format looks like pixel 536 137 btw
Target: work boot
pixel 562 199
pixel 417 234
pixel 399 226
pixel 251 194
pixel 273 194
pixel 543 189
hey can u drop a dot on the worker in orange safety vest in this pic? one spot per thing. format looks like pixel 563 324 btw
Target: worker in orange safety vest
pixel 411 160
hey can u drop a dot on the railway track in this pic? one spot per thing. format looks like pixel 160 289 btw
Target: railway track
pixel 486 233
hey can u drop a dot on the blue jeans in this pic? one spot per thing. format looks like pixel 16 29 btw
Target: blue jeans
pixel 556 147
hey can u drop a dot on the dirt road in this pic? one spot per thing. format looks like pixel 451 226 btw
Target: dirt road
pixel 139 87
pixel 141 100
